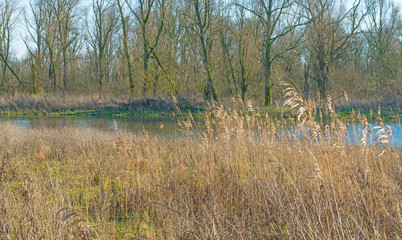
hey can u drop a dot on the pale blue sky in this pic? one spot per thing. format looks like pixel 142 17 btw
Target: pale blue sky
pixel 18 47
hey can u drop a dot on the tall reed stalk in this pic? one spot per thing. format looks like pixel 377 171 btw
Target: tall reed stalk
pixel 238 176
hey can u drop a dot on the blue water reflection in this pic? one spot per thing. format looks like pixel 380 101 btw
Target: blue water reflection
pixel 354 133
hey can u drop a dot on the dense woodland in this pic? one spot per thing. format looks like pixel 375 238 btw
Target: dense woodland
pixel 209 49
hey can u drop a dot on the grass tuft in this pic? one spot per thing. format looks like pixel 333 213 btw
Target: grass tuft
pixel 238 175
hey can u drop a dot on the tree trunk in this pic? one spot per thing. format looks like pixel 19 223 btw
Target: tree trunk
pixel 268 62
pixel 3 77
pixel 64 71
pixel 100 71
pixel 52 72
pixel 322 85
pixel 243 81
pixel 322 78
pixel 146 73
pixel 130 73
pixel 34 76
pixel 268 93
pixel 306 89
pixel 130 66
pixel 268 66
pixel 210 90
pixel 146 47
pixel 230 76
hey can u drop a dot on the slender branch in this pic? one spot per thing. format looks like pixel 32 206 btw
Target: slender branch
pixel 10 68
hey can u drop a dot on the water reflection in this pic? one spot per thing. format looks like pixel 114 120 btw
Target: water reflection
pixel 152 125
pixel 168 127
pixel 354 134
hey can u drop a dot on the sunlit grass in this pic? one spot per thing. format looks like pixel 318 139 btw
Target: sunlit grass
pixel 234 177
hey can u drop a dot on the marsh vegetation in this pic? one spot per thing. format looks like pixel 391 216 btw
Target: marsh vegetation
pixel 235 172
pixel 237 179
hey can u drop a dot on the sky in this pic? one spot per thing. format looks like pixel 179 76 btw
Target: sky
pixel 18 48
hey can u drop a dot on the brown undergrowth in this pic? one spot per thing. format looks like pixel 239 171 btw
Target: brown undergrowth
pixel 118 102
pixel 240 177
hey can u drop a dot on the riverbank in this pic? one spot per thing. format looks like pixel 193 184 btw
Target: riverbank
pixel 240 179
pixel 93 105
pixel 67 105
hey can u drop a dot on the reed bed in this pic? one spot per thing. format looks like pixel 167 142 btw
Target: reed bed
pixel 237 178
pixel 51 102
pixel 66 101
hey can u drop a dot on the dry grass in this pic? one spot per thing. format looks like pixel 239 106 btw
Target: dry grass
pixel 59 101
pixel 241 178
pixel 62 102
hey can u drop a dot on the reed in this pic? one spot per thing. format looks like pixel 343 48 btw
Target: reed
pixel 66 101
pixel 237 176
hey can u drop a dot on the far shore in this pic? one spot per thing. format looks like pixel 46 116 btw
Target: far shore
pixel 124 105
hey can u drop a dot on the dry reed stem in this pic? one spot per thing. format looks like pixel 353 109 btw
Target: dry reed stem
pixel 243 178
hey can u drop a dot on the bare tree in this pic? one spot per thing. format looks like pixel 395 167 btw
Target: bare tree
pixel 226 34
pixel 177 50
pixel 67 17
pixel 245 43
pixel 36 31
pixel 200 21
pixel 204 47
pixel 278 18
pixel 50 39
pixel 145 11
pixel 104 25
pixel 125 21
pixel 8 12
pixel 166 56
pixel 330 32
pixel 380 31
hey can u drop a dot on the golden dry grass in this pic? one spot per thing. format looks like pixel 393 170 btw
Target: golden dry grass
pixel 239 179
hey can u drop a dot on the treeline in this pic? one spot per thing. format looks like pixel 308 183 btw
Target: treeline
pixel 204 48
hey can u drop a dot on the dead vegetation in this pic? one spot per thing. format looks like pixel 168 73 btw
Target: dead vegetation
pixel 119 102
pixel 241 177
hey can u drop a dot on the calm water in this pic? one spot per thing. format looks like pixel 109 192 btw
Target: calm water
pixel 165 126
pixel 355 133
pixel 160 126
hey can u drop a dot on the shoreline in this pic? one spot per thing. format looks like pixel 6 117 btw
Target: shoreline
pixel 391 115
pixel 126 106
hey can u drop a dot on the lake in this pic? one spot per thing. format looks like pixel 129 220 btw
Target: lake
pixel 164 126
pixel 152 125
